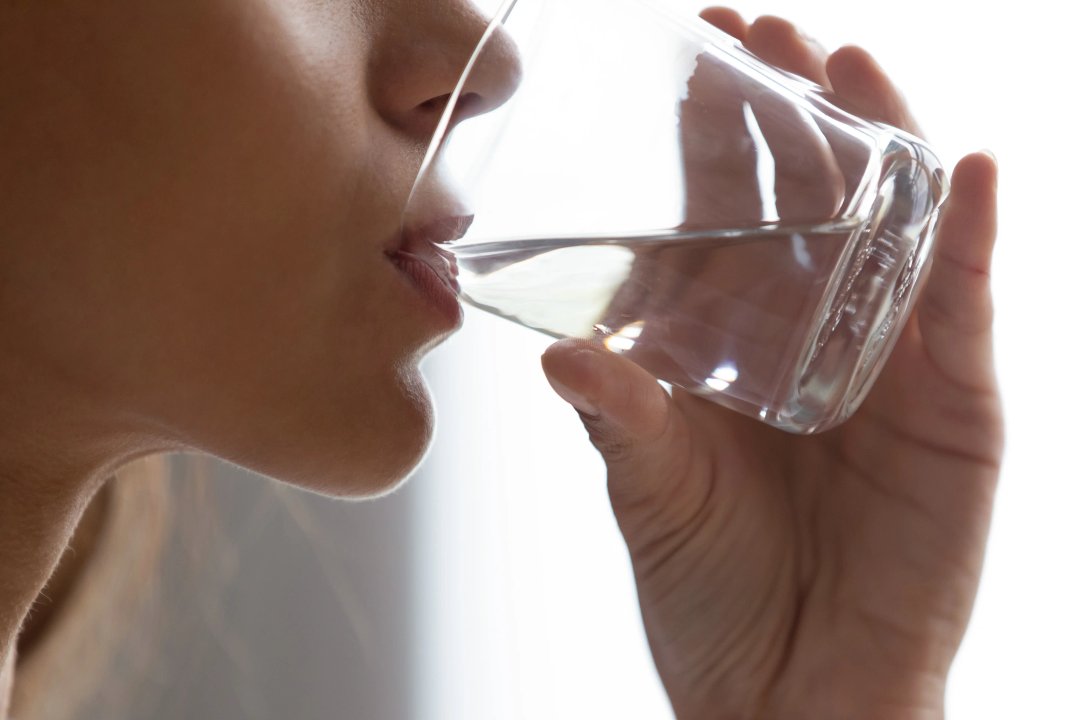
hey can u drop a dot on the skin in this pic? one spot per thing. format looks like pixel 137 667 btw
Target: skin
pixel 825 576
pixel 195 203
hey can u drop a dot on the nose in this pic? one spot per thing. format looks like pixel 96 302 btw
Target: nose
pixel 417 61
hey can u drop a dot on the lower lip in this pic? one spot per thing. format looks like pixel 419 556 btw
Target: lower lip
pixel 431 286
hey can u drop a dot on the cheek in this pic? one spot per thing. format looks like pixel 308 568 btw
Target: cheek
pixel 299 347
pixel 238 190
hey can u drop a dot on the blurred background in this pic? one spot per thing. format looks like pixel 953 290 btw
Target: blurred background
pixel 494 585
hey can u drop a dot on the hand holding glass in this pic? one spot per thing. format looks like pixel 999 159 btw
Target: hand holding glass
pixel 654 186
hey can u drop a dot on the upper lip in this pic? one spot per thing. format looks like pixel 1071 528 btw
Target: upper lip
pixel 424 242
pixel 436 232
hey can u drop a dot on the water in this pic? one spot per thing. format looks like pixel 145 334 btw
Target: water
pixel 754 319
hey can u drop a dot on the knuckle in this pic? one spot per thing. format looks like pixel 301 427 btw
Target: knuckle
pixel 612 445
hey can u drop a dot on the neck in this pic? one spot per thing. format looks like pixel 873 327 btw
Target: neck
pixel 42 498
pixel 56 451
pixel 37 519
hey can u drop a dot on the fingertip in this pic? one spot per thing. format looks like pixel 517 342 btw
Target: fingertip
pixel 573 373
pixel 966 236
pixel 851 53
pixel 861 82
pixel 851 67
pixel 973 189
pixel 727 20
pixel 772 23
pixel 571 361
pixel 978 167
pixel 567 351
pixel 956 311
pixel 779 42
pixel 768 33
pixel 601 383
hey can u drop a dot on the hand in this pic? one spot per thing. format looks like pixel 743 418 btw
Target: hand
pixel 826 576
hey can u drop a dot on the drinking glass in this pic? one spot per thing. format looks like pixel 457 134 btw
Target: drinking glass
pixel 655 187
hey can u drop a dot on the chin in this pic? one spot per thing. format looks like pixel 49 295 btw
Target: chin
pixel 384 448
pixel 352 445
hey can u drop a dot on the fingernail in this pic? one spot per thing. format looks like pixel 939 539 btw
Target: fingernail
pixel 988 151
pixel 581 403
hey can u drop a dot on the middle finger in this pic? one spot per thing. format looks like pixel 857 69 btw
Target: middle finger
pixel 778 42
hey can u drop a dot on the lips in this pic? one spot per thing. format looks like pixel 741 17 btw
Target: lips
pixel 431 268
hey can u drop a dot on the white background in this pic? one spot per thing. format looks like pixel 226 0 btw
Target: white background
pixel 527 604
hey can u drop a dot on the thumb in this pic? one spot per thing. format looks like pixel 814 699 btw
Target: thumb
pixel 631 420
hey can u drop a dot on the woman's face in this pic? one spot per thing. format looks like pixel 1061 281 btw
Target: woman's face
pixel 197 200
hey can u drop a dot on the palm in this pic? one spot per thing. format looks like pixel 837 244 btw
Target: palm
pixel 855 554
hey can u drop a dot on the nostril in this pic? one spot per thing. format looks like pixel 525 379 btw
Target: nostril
pixel 468 105
pixel 435 104
pixel 411 84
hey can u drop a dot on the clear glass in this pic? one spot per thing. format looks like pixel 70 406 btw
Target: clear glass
pixel 655 187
